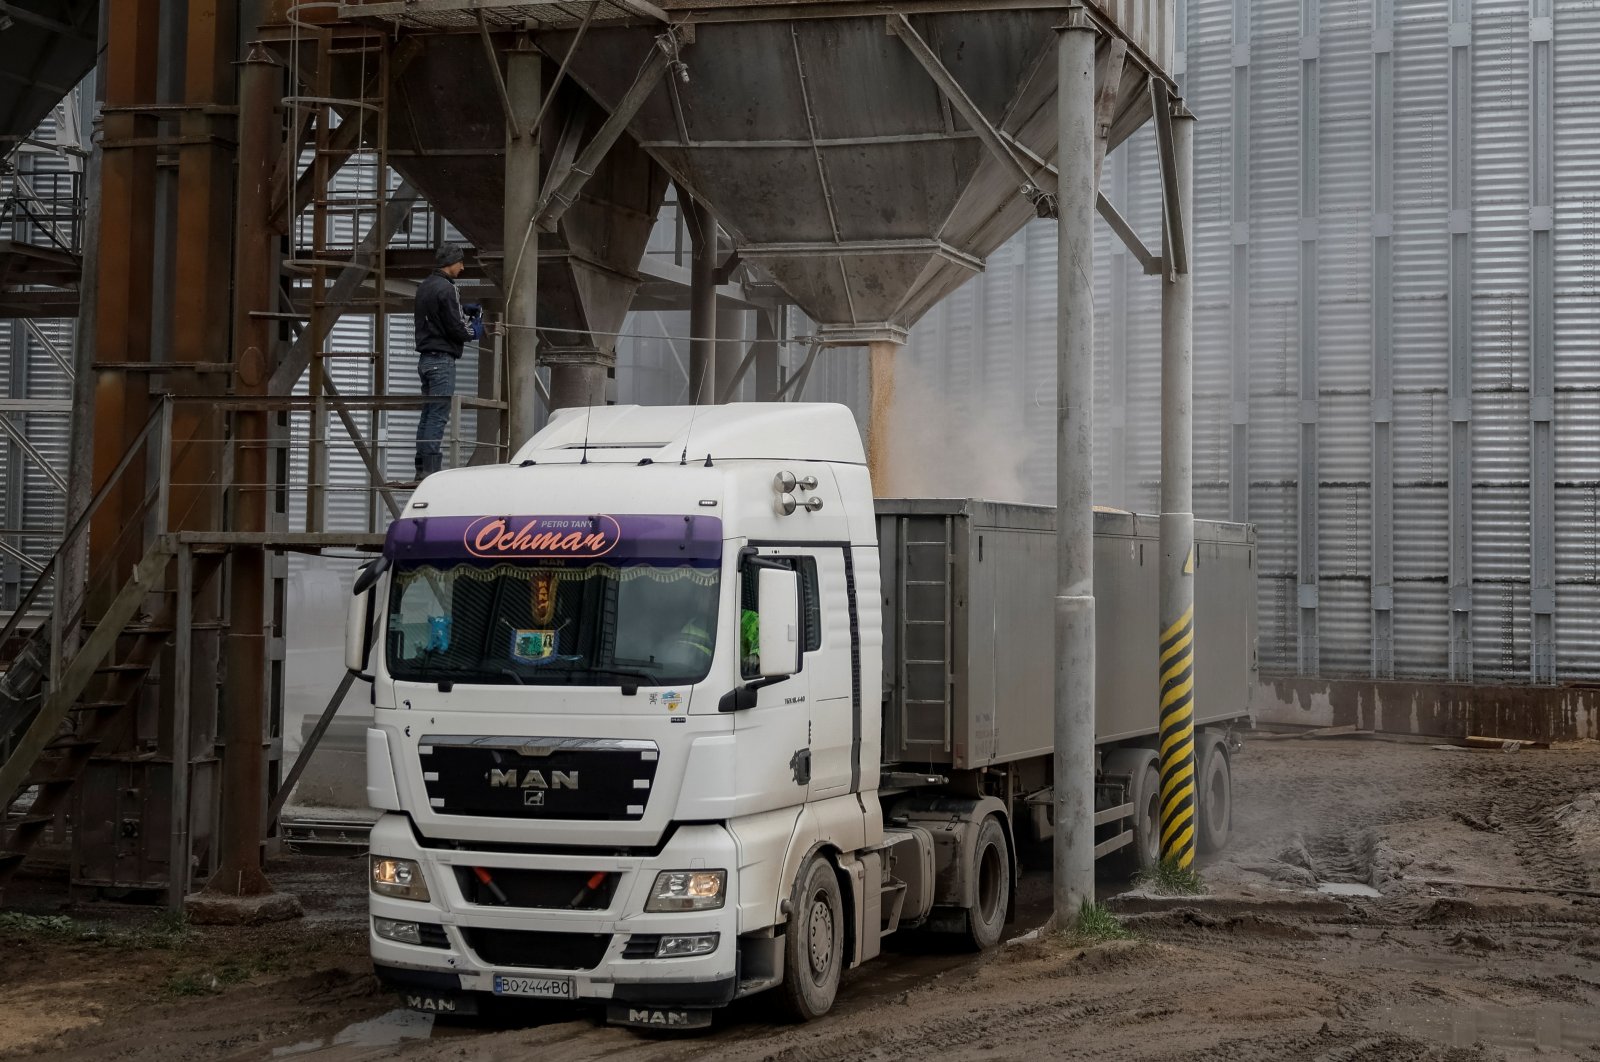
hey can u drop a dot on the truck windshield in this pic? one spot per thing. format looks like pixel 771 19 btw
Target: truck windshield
pixel 552 622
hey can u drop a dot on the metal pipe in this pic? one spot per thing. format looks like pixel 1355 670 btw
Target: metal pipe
pixel 244 767
pixel 578 378
pixel 702 300
pixel 1176 649
pixel 522 248
pixel 881 355
pixel 1073 884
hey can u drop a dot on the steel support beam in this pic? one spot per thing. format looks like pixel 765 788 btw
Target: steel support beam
pixel 1383 339
pixel 1028 181
pixel 1176 649
pixel 765 349
pixel 202 278
pixel 1174 246
pixel 244 761
pixel 1308 655
pixel 1239 271
pixel 521 267
pixel 124 282
pixel 1074 729
pixel 1149 261
pixel 1108 92
pixel 179 849
pixel 1459 300
pixel 1542 354
pixel 564 186
pixel 21 440
pixel 702 299
pixel 730 365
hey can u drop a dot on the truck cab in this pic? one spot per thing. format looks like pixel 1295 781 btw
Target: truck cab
pixel 621 691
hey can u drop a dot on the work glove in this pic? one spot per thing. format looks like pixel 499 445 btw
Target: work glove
pixel 472 309
pixel 475 327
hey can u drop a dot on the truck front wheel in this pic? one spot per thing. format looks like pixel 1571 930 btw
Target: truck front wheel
pixel 813 954
pixel 991 886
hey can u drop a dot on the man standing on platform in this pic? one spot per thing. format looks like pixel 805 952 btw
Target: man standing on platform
pixel 443 327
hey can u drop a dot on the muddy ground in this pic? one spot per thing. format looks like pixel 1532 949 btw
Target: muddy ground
pixel 1269 965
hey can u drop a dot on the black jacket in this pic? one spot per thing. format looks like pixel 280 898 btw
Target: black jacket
pixel 441 326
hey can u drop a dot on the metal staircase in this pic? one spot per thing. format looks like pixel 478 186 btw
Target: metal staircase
pixel 92 698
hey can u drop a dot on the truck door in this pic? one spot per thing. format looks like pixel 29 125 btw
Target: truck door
pixel 805 748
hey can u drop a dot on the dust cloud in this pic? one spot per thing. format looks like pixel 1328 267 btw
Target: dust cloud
pixel 936 446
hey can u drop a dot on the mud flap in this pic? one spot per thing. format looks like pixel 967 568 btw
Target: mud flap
pixel 648 1017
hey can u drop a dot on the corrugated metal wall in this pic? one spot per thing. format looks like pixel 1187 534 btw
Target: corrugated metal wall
pixel 37 385
pixel 1396 329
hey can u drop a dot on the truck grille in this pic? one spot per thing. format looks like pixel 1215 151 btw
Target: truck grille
pixel 595 779
pixel 567 890
pixel 538 950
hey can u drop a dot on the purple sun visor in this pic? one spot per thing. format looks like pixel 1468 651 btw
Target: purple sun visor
pixel 497 539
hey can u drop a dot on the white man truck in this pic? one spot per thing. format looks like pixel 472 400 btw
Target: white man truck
pixel 669 711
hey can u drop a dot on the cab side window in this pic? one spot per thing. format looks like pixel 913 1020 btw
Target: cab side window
pixel 750 611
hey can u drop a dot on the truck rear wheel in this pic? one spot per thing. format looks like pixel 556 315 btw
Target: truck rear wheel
pixel 1216 799
pixel 991 886
pixel 813 954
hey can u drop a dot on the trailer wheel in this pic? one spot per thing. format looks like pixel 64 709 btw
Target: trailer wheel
pixel 1147 822
pixel 1216 800
pixel 991 886
pixel 1144 851
pixel 813 955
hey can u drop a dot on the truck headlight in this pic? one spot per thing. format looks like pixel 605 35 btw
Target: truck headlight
pixel 400 878
pixel 687 890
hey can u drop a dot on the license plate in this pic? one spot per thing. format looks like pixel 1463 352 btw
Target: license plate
pixel 539 987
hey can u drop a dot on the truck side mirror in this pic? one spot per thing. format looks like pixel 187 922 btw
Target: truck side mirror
pixel 358 620
pixel 779 639
pixel 355 632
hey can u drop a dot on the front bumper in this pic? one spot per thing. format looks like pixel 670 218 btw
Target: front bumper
pixel 701 981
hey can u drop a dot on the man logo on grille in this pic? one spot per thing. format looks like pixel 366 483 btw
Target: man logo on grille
pixel 533 779
pixel 533 798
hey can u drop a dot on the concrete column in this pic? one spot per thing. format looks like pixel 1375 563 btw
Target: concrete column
pixel 702 301
pixel 1075 648
pixel 521 279
pixel 1176 649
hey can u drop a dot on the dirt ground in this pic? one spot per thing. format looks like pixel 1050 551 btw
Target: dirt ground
pixel 1267 965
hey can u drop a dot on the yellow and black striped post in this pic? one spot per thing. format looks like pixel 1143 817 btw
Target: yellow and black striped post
pixel 1177 739
pixel 1179 822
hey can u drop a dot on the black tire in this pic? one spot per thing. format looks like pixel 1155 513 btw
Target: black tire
pixel 813 954
pixel 1146 846
pixel 1215 794
pixel 991 886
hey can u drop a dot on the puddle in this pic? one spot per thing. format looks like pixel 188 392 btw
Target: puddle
pixel 1349 888
pixel 385 1030
pixel 1532 1027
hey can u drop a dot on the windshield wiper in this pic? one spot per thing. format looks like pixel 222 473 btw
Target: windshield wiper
pixel 642 678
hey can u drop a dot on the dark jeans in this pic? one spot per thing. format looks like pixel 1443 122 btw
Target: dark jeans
pixel 438 373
